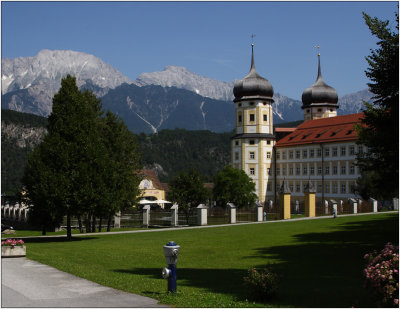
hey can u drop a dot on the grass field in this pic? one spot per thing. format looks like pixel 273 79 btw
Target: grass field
pixel 320 261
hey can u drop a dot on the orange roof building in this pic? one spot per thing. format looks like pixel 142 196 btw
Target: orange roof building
pixel 322 150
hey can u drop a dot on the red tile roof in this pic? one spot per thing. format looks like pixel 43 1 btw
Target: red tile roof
pixel 284 129
pixel 325 130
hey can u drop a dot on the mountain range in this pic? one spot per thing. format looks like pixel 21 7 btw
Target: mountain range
pixel 172 98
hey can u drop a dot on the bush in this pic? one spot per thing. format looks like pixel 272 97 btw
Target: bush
pixel 261 284
pixel 382 275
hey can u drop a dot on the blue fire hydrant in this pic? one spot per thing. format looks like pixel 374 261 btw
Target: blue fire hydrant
pixel 171 251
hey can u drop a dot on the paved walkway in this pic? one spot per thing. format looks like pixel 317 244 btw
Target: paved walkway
pixel 26 283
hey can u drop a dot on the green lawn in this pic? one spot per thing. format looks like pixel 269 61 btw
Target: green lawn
pixel 320 261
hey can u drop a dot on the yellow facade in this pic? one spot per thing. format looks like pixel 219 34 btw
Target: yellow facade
pixel 284 202
pixel 309 204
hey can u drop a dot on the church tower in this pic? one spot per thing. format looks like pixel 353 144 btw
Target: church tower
pixel 252 145
pixel 319 100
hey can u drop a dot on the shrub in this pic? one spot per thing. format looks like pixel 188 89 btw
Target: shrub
pixel 262 284
pixel 382 275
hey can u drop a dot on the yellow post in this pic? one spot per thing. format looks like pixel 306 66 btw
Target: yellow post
pixel 309 200
pixel 284 200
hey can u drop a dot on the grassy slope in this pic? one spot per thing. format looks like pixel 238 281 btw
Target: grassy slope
pixel 320 261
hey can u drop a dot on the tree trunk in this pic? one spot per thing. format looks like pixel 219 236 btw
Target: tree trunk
pixel 80 224
pixel 69 234
pixel 109 223
pixel 87 222
pixel 100 221
pixel 43 229
pixel 93 223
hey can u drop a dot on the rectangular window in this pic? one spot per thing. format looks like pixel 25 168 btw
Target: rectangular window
pixel 284 155
pixel 297 154
pixel 326 152
pixel 251 142
pixel 297 170
pixel 319 188
pixel 311 170
pixel 291 171
pixel 268 155
pixel 305 154
pixel 284 171
pixel 236 156
pixel 319 170
pixel 327 188
pixel 278 171
pixel 265 117
pixel 319 152
pixel 343 169
pixel 360 149
pixel 326 170
pixel 343 188
pixel 334 152
pixel 352 150
pixel 352 169
pixel 251 117
pixel 278 155
pixel 268 142
pixel 240 118
pixel 291 187
pixel 290 154
pixel 334 172
pixel 297 188
pixel 252 155
pixel 334 187
pixel 342 151
pixel 304 170
pixel 252 171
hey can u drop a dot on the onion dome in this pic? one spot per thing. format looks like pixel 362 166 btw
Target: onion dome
pixel 319 93
pixel 253 86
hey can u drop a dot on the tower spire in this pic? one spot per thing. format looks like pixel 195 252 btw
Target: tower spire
pixel 252 51
pixel 319 63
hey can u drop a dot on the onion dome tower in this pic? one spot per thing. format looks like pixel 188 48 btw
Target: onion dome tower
pixel 252 145
pixel 319 100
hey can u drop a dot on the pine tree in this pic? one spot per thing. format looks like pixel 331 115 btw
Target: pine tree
pixel 379 129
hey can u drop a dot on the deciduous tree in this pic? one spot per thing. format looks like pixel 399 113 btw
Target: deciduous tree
pixel 234 186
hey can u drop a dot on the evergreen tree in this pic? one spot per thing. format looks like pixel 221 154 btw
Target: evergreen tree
pixel 121 177
pixel 65 170
pixel 379 129
pixel 188 191
pixel 234 186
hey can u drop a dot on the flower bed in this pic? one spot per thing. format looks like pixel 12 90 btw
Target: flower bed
pixel 13 248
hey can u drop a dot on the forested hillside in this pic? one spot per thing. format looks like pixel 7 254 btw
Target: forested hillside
pixel 20 133
pixel 170 151
pixel 167 152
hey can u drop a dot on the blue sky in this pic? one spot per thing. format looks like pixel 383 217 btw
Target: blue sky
pixel 208 38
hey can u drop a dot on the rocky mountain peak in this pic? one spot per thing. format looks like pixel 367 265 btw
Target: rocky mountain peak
pixel 181 77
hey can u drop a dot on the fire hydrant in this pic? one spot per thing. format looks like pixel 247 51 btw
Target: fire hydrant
pixel 171 251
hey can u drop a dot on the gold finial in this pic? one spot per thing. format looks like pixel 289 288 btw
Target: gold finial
pixel 318 47
pixel 252 39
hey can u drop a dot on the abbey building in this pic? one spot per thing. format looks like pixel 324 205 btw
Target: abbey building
pixel 322 149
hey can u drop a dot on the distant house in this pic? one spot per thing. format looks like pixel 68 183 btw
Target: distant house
pixel 151 187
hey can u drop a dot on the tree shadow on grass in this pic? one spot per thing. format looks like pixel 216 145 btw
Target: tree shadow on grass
pixel 55 239
pixel 317 270
pixel 225 281
pixel 326 269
